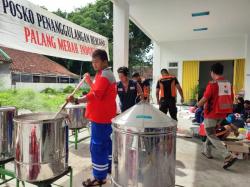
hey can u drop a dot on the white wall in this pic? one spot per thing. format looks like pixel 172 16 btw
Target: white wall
pixel 41 86
pixel 5 76
pixel 247 70
pixel 156 68
pixel 205 49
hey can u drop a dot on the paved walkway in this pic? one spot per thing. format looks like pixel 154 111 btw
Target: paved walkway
pixel 192 169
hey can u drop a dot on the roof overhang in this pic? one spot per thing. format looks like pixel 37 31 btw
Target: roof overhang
pixel 45 75
pixel 172 20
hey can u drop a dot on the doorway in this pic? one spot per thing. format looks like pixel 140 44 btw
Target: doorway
pixel 204 73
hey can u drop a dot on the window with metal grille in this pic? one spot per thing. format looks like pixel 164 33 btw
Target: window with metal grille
pixel 173 64
pixel 173 68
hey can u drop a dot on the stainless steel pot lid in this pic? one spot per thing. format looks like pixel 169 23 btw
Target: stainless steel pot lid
pixel 39 117
pixel 7 108
pixel 141 116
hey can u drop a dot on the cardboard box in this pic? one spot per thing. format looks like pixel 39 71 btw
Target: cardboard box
pixel 239 148
pixel 236 147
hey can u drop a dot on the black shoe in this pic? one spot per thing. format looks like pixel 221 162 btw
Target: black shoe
pixel 229 161
pixel 207 156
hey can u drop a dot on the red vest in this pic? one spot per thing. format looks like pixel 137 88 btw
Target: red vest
pixel 224 102
pixel 219 97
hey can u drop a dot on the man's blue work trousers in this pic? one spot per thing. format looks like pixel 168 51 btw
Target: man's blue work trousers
pixel 101 149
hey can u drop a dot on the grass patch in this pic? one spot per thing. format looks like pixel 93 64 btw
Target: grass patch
pixel 34 101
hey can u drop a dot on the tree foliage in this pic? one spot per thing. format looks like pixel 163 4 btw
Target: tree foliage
pixel 98 17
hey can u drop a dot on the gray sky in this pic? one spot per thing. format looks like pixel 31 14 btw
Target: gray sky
pixel 64 5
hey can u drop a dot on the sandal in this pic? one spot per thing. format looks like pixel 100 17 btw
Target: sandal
pixel 208 157
pixel 229 161
pixel 93 182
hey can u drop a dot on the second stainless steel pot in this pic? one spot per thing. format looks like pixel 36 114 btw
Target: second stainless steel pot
pixel 41 146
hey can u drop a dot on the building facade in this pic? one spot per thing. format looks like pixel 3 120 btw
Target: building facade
pixel 34 71
pixel 187 37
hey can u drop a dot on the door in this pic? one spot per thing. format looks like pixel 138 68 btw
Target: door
pixel 239 75
pixel 190 79
pixel 205 77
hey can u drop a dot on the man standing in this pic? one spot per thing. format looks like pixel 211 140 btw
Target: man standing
pixel 145 85
pixel 128 90
pixel 101 108
pixel 218 102
pixel 166 93
pixel 246 111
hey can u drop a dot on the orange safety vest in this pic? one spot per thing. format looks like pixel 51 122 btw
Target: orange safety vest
pixel 173 87
pixel 146 91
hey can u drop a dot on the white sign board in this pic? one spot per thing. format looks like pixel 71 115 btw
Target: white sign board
pixel 27 27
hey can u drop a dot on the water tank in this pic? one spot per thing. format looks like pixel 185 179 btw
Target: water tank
pixel 144 148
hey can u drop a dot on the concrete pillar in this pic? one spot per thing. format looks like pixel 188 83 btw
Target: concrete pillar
pixel 120 34
pixel 156 68
pixel 5 76
pixel 247 70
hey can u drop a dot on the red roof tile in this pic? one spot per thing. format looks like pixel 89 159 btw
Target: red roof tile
pixel 26 62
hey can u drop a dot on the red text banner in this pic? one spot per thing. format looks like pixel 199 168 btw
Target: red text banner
pixel 25 26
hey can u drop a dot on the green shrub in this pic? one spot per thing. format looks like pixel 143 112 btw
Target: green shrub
pixel 49 91
pixel 68 89
pixel 194 92
pixel 48 100
pixel 84 90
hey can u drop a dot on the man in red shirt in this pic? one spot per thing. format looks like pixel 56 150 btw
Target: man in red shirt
pixel 101 108
pixel 218 102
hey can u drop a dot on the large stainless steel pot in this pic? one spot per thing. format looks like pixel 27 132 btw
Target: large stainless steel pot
pixel 6 132
pixel 76 114
pixel 41 146
pixel 144 143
